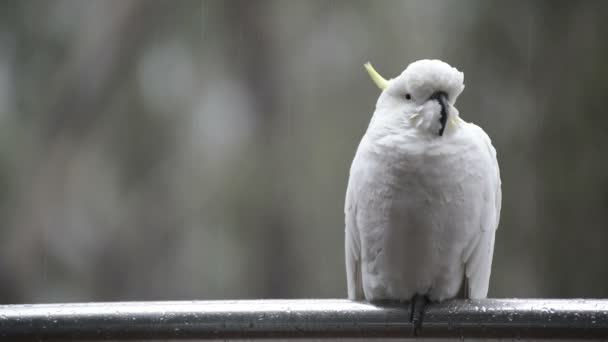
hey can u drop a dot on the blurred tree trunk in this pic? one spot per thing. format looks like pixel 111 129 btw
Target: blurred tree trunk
pixel 253 54
pixel 99 61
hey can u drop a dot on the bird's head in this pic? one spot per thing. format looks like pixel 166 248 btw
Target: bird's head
pixel 422 97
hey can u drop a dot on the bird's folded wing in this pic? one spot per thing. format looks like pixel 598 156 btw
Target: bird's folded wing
pixel 478 259
pixel 479 265
pixel 352 248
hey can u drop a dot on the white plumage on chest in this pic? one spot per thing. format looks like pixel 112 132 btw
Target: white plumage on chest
pixel 416 211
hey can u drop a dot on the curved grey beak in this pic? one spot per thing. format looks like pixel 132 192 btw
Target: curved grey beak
pixel 442 98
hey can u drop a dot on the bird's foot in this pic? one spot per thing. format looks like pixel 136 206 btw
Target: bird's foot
pixel 417 312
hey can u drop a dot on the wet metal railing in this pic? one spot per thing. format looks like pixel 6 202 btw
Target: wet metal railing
pixel 318 319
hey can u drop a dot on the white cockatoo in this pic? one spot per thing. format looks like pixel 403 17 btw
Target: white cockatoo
pixel 424 194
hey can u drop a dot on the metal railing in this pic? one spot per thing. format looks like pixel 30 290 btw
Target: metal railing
pixel 319 319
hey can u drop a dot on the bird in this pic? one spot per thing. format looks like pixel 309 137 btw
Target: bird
pixel 424 194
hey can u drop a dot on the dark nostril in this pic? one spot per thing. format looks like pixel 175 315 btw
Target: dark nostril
pixel 438 95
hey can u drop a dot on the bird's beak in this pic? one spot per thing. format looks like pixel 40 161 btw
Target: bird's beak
pixel 442 98
pixel 380 81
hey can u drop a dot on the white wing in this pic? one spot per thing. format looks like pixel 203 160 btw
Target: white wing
pixel 352 242
pixel 478 259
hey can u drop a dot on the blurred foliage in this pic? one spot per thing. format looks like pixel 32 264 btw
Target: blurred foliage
pixel 193 149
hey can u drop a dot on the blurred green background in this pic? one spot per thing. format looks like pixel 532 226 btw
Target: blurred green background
pixel 200 149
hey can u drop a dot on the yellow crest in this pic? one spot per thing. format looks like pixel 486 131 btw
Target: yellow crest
pixel 375 76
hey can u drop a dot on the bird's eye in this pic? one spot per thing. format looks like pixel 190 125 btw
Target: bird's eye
pixel 408 96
